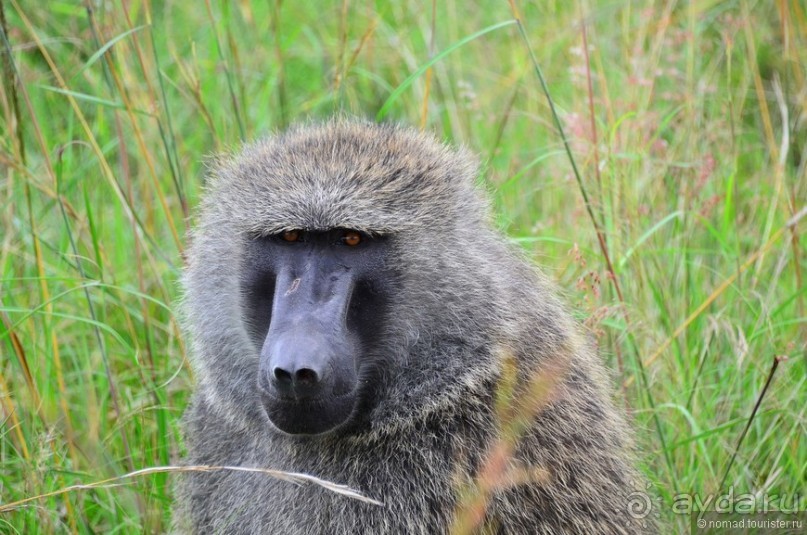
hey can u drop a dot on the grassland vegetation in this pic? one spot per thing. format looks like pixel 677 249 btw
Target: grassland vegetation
pixel 651 157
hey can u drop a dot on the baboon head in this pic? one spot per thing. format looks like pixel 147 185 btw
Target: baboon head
pixel 322 257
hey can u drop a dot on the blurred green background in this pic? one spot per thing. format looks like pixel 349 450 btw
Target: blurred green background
pixel 679 242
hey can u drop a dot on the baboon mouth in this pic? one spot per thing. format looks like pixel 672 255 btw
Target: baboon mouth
pixel 309 417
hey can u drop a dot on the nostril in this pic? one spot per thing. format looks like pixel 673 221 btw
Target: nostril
pixel 282 376
pixel 292 382
pixel 306 376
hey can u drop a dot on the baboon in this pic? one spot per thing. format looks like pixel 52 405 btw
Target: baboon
pixel 354 316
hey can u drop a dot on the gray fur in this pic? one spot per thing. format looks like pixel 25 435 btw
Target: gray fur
pixel 465 299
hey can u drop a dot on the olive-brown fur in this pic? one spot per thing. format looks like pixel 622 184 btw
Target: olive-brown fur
pixel 464 301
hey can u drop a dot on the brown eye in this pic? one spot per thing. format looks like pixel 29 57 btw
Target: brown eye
pixel 351 238
pixel 291 236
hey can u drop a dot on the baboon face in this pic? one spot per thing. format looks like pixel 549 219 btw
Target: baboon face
pixel 319 262
pixel 314 303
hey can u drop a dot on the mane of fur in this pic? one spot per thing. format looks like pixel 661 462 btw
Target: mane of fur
pixel 465 301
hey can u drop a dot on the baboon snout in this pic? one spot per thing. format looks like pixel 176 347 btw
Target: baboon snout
pixel 296 366
pixel 307 379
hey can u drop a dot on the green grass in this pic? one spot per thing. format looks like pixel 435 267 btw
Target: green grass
pixel 691 147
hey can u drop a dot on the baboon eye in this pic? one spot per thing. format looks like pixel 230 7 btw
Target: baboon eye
pixel 291 235
pixel 351 238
